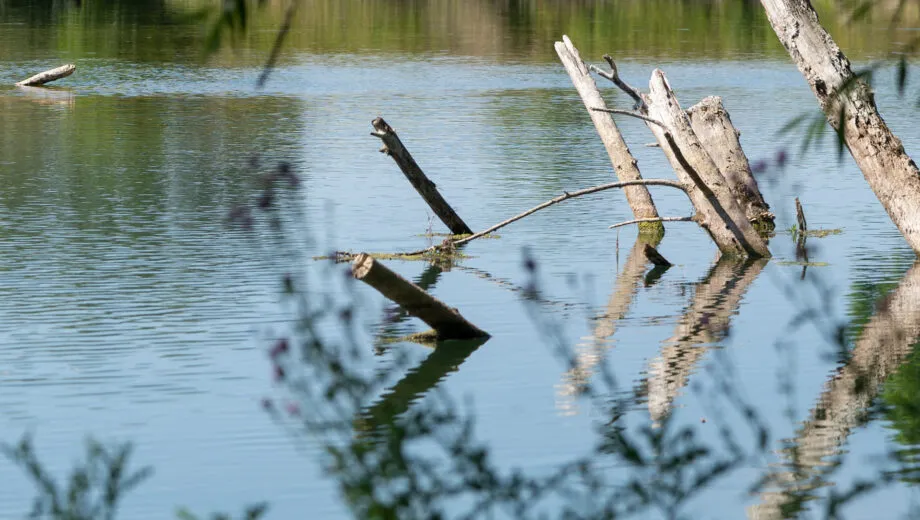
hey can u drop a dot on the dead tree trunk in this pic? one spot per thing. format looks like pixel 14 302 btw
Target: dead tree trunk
pixel 714 128
pixel 718 211
pixel 446 321
pixel 624 164
pixel 890 172
pixel 393 147
pixel 48 76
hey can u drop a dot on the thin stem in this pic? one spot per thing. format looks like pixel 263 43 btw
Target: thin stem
pixel 657 219
pixel 630 113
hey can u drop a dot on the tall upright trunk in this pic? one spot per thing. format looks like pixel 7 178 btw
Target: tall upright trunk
pixel 880 155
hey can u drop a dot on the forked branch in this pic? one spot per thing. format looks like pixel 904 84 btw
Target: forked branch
pixel 614 76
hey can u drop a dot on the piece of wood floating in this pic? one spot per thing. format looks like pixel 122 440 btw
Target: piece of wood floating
pixel 719 137
pixel 718 211
pixel 446 321
pixel 393 147
pixel 655 257
pixel 624 164
pixel 48 76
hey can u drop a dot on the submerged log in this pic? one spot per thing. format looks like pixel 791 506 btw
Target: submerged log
pixel 718 211
pixel 624 164
pixel 850 107
pixel 719 137
pixel 48 76
pixel 393 147
pixel 446 321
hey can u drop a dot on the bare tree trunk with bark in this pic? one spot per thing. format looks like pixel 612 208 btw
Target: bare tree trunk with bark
pixel 850 108
pixel 639 198
pixel 719 137
pixel 719 212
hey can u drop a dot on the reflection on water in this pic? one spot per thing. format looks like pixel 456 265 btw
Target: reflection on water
pixel 885 343
pixel 131 308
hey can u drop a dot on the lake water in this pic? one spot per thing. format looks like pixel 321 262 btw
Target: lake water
pixel 133 311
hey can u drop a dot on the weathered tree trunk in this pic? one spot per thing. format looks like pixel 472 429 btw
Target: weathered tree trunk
pixel 393 147
pixel 624 164
pixel 886 341
pixel 718 211
pixel 890 172
pixel 705 322
pixel 48 76
pixel 714 128
pixel 446 321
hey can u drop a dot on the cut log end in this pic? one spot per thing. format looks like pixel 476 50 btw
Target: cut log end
pixel 362 265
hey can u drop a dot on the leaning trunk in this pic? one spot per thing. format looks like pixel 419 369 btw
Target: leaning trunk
pixel 850 108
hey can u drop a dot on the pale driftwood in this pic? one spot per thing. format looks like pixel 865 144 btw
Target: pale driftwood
pixel 624 164
pixel 591 352
pixel 446 321
pixel 718 211
pixel 705 322
pixel 48 76
pixel 719 137
pixel 890 172
pixel 393 147
pixel 659 219
pixel 886 342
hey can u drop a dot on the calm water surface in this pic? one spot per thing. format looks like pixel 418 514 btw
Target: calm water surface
pixel 132 311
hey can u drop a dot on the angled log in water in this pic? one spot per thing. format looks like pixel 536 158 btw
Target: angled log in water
pixel 446 321
pixel 393 147
pixel 718 211
pixel 624 164
pixel 890 172
pixel 885 344
pixel 48 76
pixel 719 137
pixel 705 322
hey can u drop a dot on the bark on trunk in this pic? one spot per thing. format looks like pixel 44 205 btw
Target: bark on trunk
pixel 393 147
pixel 446 321
pixel 48 76
pixel 624 164
pixel 714 128
pixel 718 211
pixel 888 169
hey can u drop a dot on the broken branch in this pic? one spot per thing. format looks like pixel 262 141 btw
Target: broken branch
pixel 393 147
pixel 614 76
pixel 631 114
pixel 446 321
pixel 567 195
